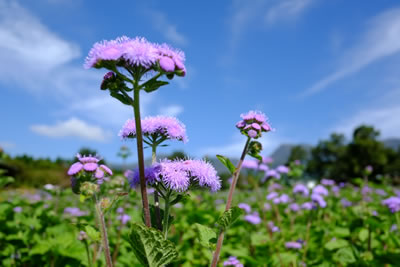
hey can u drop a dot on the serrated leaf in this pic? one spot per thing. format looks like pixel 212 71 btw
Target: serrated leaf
pixel 121 98
pixel 150 247
pixel 207 236
pixel 345 256
pixel 92 233
pixel 229 217
pixel 336 244
pixel 153 85
pixel 227 163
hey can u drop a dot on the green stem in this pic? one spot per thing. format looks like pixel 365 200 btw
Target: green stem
pixel 156 200
pixel 166 215
pixel 139 142
pixel 88 253
pixel 103 231
pixel 229 202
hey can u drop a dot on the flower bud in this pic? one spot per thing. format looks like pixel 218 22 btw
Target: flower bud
pixel 88 189
pixel 105 203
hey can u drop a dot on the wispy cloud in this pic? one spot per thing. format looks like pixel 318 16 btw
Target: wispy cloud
pixel 173 110
pixel 72 128
pixel 169 30
pixel 381 39
pixel 286 10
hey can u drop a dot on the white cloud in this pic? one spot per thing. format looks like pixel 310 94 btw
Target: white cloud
pixel 286 10
pixel 381 39
pixel 6 145
pixel 168 29
pixel 173 110
pixel 72 128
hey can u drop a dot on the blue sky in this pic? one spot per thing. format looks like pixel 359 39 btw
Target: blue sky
pixel 312 66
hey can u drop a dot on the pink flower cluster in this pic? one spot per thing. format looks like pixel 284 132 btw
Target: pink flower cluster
pixel 253 124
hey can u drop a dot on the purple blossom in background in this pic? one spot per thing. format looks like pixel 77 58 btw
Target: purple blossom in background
pixel 253 218
pixel 82 236
pixel 318 199
pixel 272 227
pixel 267 206
pixel 150 174
pixel 342 184
pixel 160 126
pixel 89 164
pixel 366 190
pixel 282 169
pixel 393 203
pixel 124 218
pixel 136 52
pixel 120 210
pixel 297 162
pixel 369 169
pixel 75 212
pixel 284 198
pixel 374 213
pixel 244 206
pixel 327 182
pixel 345 203
pixel 393 228
pixel 250 164
pixel 320 190
pixel 272 195
pixel 336 190
pixel 307 206
pixel 301 189
pixel 272 173
pixel 267 160
pixel 219 201
pixel 293 245
pixel 294 207
pixel 253 124
pixel 381 192
pixel 233 261
pixel 274 186
pixel 17 209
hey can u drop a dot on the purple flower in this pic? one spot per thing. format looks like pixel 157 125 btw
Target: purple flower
pixel 233 261
pixel 302 189
pixel 307 206
pixel 272 195
pixel 318 199
pixel 124 218
pixel 82 236
pixel 75 212
pixel 272 227
pixel 381 192
pixel 120 210
pixel 253 218
pixel 150 174
pixel 267 160
pixel 335 190
pixel 88 164
pixel 253 124
pixel 267 206
pixel 282 199
pixel 393 228
pixel 345 203
pixel 327 182
pixel 393 203
pixel 244 206
pixel 250 164
pixel 294 207
pixel 274 186
pixel 369 169
pixel 320 190
pixel 17 209
pixel 273 173
pixel 282 169
pixel 159 126
pixel 293 245
pixel 366 190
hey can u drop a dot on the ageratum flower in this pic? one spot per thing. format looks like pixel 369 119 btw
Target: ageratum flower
pixel 89 165
pixel 327 182
pixel 74 211
pixel 272 227
pixel 253 124
pixel 293 245
pixel 393 203
pixel 244 206
pixel 320 190
pixel 318 199
pixel 178 175
pixel 253 218
pixel 302 189
pixel 137 52
pixel 282 169
pixel 233 261
pixel 254 165
pixel 159 127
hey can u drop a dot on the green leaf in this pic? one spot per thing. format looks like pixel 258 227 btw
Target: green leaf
pixel 336 244
pixel 150 247
pixel 180 198
pixel 227 163
pixel 92 233
pixel 229 217
pixel 255 149
pixel 345 256
pixel 123 99
pixel 154 219
pixel 341 232
pixel 363 235
pixel 152 85
pixel 207 236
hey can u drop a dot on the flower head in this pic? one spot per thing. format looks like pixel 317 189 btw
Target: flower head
pixel 253 218
pixel 233 261
pixel 158 127
pixel 17 209
pixel 302 189
pixel 253 124
pixel 318 199
pixel 244 206
pixel 327 182
pixel 282 169
pixel 393 203
pixel 320 190
pixel 293 245
pixel 75 212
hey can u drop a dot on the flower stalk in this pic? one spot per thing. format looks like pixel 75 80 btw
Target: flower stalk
pixel 229 202
pixel 103 231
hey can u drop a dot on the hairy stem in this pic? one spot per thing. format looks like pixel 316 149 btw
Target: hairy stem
pixel 103 231
pixel 139 142
pixel 166 215
pixel 88 253
pixel 156 200
pixel 229 202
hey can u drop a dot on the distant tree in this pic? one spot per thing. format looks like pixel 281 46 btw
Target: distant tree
pixel 297 153
pixel 124 152
pixel 327 158
pixel 178 155
pixel 88 151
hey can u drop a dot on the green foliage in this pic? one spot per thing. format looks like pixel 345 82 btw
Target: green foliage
pixel 207 236
pixel 254 150
pixel 229 217
pixel 152 85
pixel 150 247
pixel 227 163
